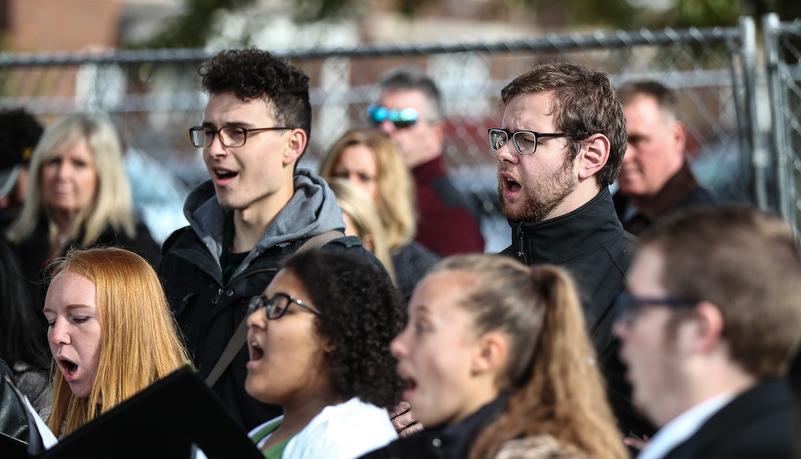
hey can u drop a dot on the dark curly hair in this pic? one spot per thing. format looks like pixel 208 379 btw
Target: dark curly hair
pixel 361 314
pixel 255 74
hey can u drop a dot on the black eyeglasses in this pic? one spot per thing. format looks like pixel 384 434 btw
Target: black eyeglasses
pixel 276 306
pixel 627 305
pixel 230 136
pixel 525 142
pixel 403 118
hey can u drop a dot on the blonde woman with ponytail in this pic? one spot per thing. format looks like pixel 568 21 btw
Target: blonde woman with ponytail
pixel 498 365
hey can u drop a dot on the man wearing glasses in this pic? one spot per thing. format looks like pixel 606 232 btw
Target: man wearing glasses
pixel 559 147
pixel 409 110
pixel 256 210
pixel 710 321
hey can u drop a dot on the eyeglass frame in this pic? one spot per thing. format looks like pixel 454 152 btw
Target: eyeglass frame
pixel 393 116
pixel 627 304
pixel 218 133
pixel 512 136
pixel 259 302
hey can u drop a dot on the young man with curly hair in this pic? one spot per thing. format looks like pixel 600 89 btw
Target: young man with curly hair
pixel 256 209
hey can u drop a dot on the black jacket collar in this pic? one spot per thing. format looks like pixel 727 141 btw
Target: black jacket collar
pixel 561 239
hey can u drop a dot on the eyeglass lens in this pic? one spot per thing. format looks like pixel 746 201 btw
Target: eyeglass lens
pixel 231 136
pixel 525 141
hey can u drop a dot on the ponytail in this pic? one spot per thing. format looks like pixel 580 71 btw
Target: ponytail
pixel 561 393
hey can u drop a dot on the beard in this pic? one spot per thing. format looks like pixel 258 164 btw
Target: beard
pixel 543 197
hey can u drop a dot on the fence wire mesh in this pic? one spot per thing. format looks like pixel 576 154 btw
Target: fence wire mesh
pixel 154 97
pixel 783 52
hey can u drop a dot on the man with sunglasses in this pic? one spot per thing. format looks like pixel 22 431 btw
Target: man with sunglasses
pixel 409 110
pixel 257 209
pixel 559 147
pixel 710 321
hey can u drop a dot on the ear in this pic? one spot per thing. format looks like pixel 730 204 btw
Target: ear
pixel 490 354
pixel 593 155
pixel 680 135
pixel 295 146
pixel 436 132
pixel 367 242
pixel 709 328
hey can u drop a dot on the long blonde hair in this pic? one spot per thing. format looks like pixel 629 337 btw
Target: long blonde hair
pixel 112 204
pixel 139 341
pixel 354 202
pixel 395 201
pixel 555 384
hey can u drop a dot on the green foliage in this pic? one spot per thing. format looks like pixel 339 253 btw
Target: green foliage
pixel 193 29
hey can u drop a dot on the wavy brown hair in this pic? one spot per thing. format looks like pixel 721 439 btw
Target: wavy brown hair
pixel 139 341
pixel 395 202
pixel 554 382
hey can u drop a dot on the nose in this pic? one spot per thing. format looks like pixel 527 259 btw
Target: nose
pixel 621 329
pixel 216 149
pixel 387 127
pixel 398 347
pixel 59 333
pixel 507 153
pixel 257 319
pixel 631 152
pixel 63 169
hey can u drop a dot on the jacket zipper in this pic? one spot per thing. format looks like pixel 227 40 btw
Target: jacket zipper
pixel 522 253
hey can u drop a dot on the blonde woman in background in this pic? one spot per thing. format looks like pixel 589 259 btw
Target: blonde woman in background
pixel 362 221
pixel 110 331
pixel 78 195
pixel 370 160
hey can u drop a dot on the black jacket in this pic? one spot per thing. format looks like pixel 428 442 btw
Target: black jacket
pixel 759 423
pixel 13 417
pixel 32 254
pixel 447 442
pixel 592 246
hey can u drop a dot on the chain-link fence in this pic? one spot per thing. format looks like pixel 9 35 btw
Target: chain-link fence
pixel 153 96
pixel 782 54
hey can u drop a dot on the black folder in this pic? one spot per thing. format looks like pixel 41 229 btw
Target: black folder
pixel 162 421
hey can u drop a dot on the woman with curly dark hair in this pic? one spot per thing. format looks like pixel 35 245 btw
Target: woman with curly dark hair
pixel 319 346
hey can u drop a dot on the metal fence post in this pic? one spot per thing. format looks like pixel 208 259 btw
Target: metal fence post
pixel 760 159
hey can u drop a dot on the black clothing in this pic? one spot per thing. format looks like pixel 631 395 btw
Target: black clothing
pixel 445 442
pixel 681 191
pixel 411 264
pixel 13 417
pixel 592 246
pixel 32 254
pixel 759 423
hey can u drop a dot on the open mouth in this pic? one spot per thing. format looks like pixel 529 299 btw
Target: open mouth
pixel 224 174
pixel 68 367
pixel 256 352
pixel 512 185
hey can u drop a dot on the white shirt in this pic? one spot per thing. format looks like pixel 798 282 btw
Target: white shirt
pixel 683 426
pixel 344 431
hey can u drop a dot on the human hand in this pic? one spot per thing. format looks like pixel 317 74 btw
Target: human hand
pixel 403 420
pixel 633 441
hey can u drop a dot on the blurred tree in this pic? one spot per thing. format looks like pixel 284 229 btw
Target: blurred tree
pixel 194 28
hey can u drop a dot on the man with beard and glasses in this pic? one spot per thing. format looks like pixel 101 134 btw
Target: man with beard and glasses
pixel 560 146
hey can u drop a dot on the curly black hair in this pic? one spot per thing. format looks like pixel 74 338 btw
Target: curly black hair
pixel 255 74
pixel 361 314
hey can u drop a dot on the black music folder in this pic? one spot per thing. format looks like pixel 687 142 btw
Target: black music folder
pixel 163 421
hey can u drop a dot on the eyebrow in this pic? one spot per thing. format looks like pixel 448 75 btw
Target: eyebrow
pixel 242 124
